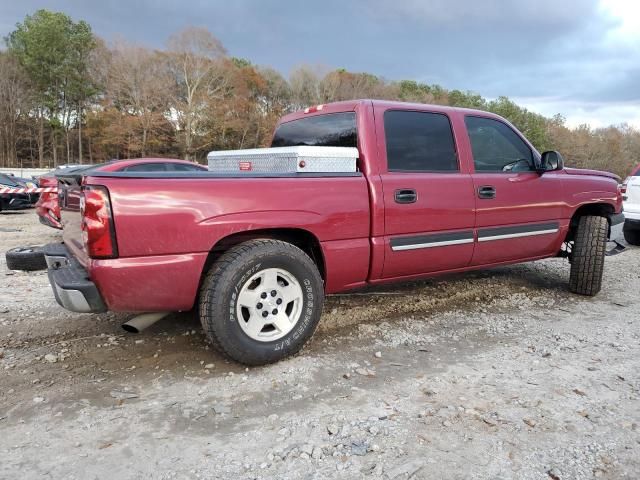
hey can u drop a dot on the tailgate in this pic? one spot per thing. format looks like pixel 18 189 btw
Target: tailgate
pixel 69 198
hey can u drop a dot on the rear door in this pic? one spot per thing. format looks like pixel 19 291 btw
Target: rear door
pixel 428 197
pixel 518 211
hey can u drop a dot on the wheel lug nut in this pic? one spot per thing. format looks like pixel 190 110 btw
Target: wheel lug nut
pixel 265 314
pixel 273 293
pixel 279 301
pixel 259 306
pixel 275 311
pixel 263 295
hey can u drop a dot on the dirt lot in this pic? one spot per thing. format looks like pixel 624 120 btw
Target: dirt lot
pixel 497 374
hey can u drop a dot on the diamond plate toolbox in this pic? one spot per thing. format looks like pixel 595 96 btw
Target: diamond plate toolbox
pixel 302 159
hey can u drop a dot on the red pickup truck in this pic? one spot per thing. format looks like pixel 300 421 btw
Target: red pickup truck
pixel 436 190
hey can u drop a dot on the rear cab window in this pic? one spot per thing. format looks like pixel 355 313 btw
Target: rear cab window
pixel 328 130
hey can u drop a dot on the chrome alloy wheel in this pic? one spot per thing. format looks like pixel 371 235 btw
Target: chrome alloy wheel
pixel 269 304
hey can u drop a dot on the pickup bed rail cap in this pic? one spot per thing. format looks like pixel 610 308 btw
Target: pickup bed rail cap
pixel 300 150
pixel 204 174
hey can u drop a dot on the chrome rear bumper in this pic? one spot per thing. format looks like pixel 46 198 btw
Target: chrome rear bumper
pixel 70 282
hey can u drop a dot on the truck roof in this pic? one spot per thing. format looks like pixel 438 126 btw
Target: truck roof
pixel 351 105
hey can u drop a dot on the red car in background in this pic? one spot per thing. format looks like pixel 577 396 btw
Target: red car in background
pixel 48 208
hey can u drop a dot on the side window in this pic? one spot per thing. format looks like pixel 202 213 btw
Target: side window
pixel 419 142
pixel 183 167
pixel 496 147
pixel 146 167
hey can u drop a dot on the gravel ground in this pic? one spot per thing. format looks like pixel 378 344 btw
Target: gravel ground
pixel 497 374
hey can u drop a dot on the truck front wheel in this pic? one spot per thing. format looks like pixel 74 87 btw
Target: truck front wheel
pixel 261 301
pixel 587 255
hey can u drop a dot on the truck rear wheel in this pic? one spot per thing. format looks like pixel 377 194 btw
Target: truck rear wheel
pixel 261 301
pixel 587 255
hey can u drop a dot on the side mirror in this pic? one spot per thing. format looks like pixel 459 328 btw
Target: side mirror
pixel 551 161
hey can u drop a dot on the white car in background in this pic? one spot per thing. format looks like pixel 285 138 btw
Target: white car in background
pixel 631 197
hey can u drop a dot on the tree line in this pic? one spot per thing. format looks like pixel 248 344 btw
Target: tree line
pixel 66 96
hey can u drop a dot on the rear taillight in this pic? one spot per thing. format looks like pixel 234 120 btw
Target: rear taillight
pixel 98 232
pixel 623 186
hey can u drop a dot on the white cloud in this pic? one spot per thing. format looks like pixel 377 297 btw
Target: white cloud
pixel 626 14
pixel 577 112
pixel 605 87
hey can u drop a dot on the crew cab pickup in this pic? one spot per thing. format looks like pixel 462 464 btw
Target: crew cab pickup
pixel 436 190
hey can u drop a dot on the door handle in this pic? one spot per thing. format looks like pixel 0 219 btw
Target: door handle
pixel 406 195
pixel 486 191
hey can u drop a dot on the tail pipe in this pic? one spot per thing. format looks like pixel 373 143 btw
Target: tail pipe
pixel 142 321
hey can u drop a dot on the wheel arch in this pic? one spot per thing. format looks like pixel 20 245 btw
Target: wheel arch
pixel 600 209
pixel 301 238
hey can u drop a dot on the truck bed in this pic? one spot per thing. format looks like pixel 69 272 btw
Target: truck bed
pixel 170 222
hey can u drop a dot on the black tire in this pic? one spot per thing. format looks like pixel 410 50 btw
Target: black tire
pixel 631 235
pixel 587 255
pixel 223 283
pixel 26 258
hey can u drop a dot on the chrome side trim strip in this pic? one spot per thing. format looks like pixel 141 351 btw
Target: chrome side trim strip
pixel 445 243
pixel 518 235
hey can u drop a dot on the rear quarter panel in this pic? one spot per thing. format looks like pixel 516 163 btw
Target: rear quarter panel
pixel 165 229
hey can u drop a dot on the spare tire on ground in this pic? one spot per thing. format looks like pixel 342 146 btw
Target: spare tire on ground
pixel 26 258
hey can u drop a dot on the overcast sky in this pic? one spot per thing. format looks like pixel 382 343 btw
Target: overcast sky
pixel 580 58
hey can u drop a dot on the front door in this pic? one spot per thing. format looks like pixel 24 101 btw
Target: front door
pixel 428 199
pixel 518 211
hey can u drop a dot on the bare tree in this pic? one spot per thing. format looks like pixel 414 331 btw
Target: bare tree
pixel 15 98
pixel 139 84
pixel 305 86
pixel 195 57
pixel 99 64
pixel 277 96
